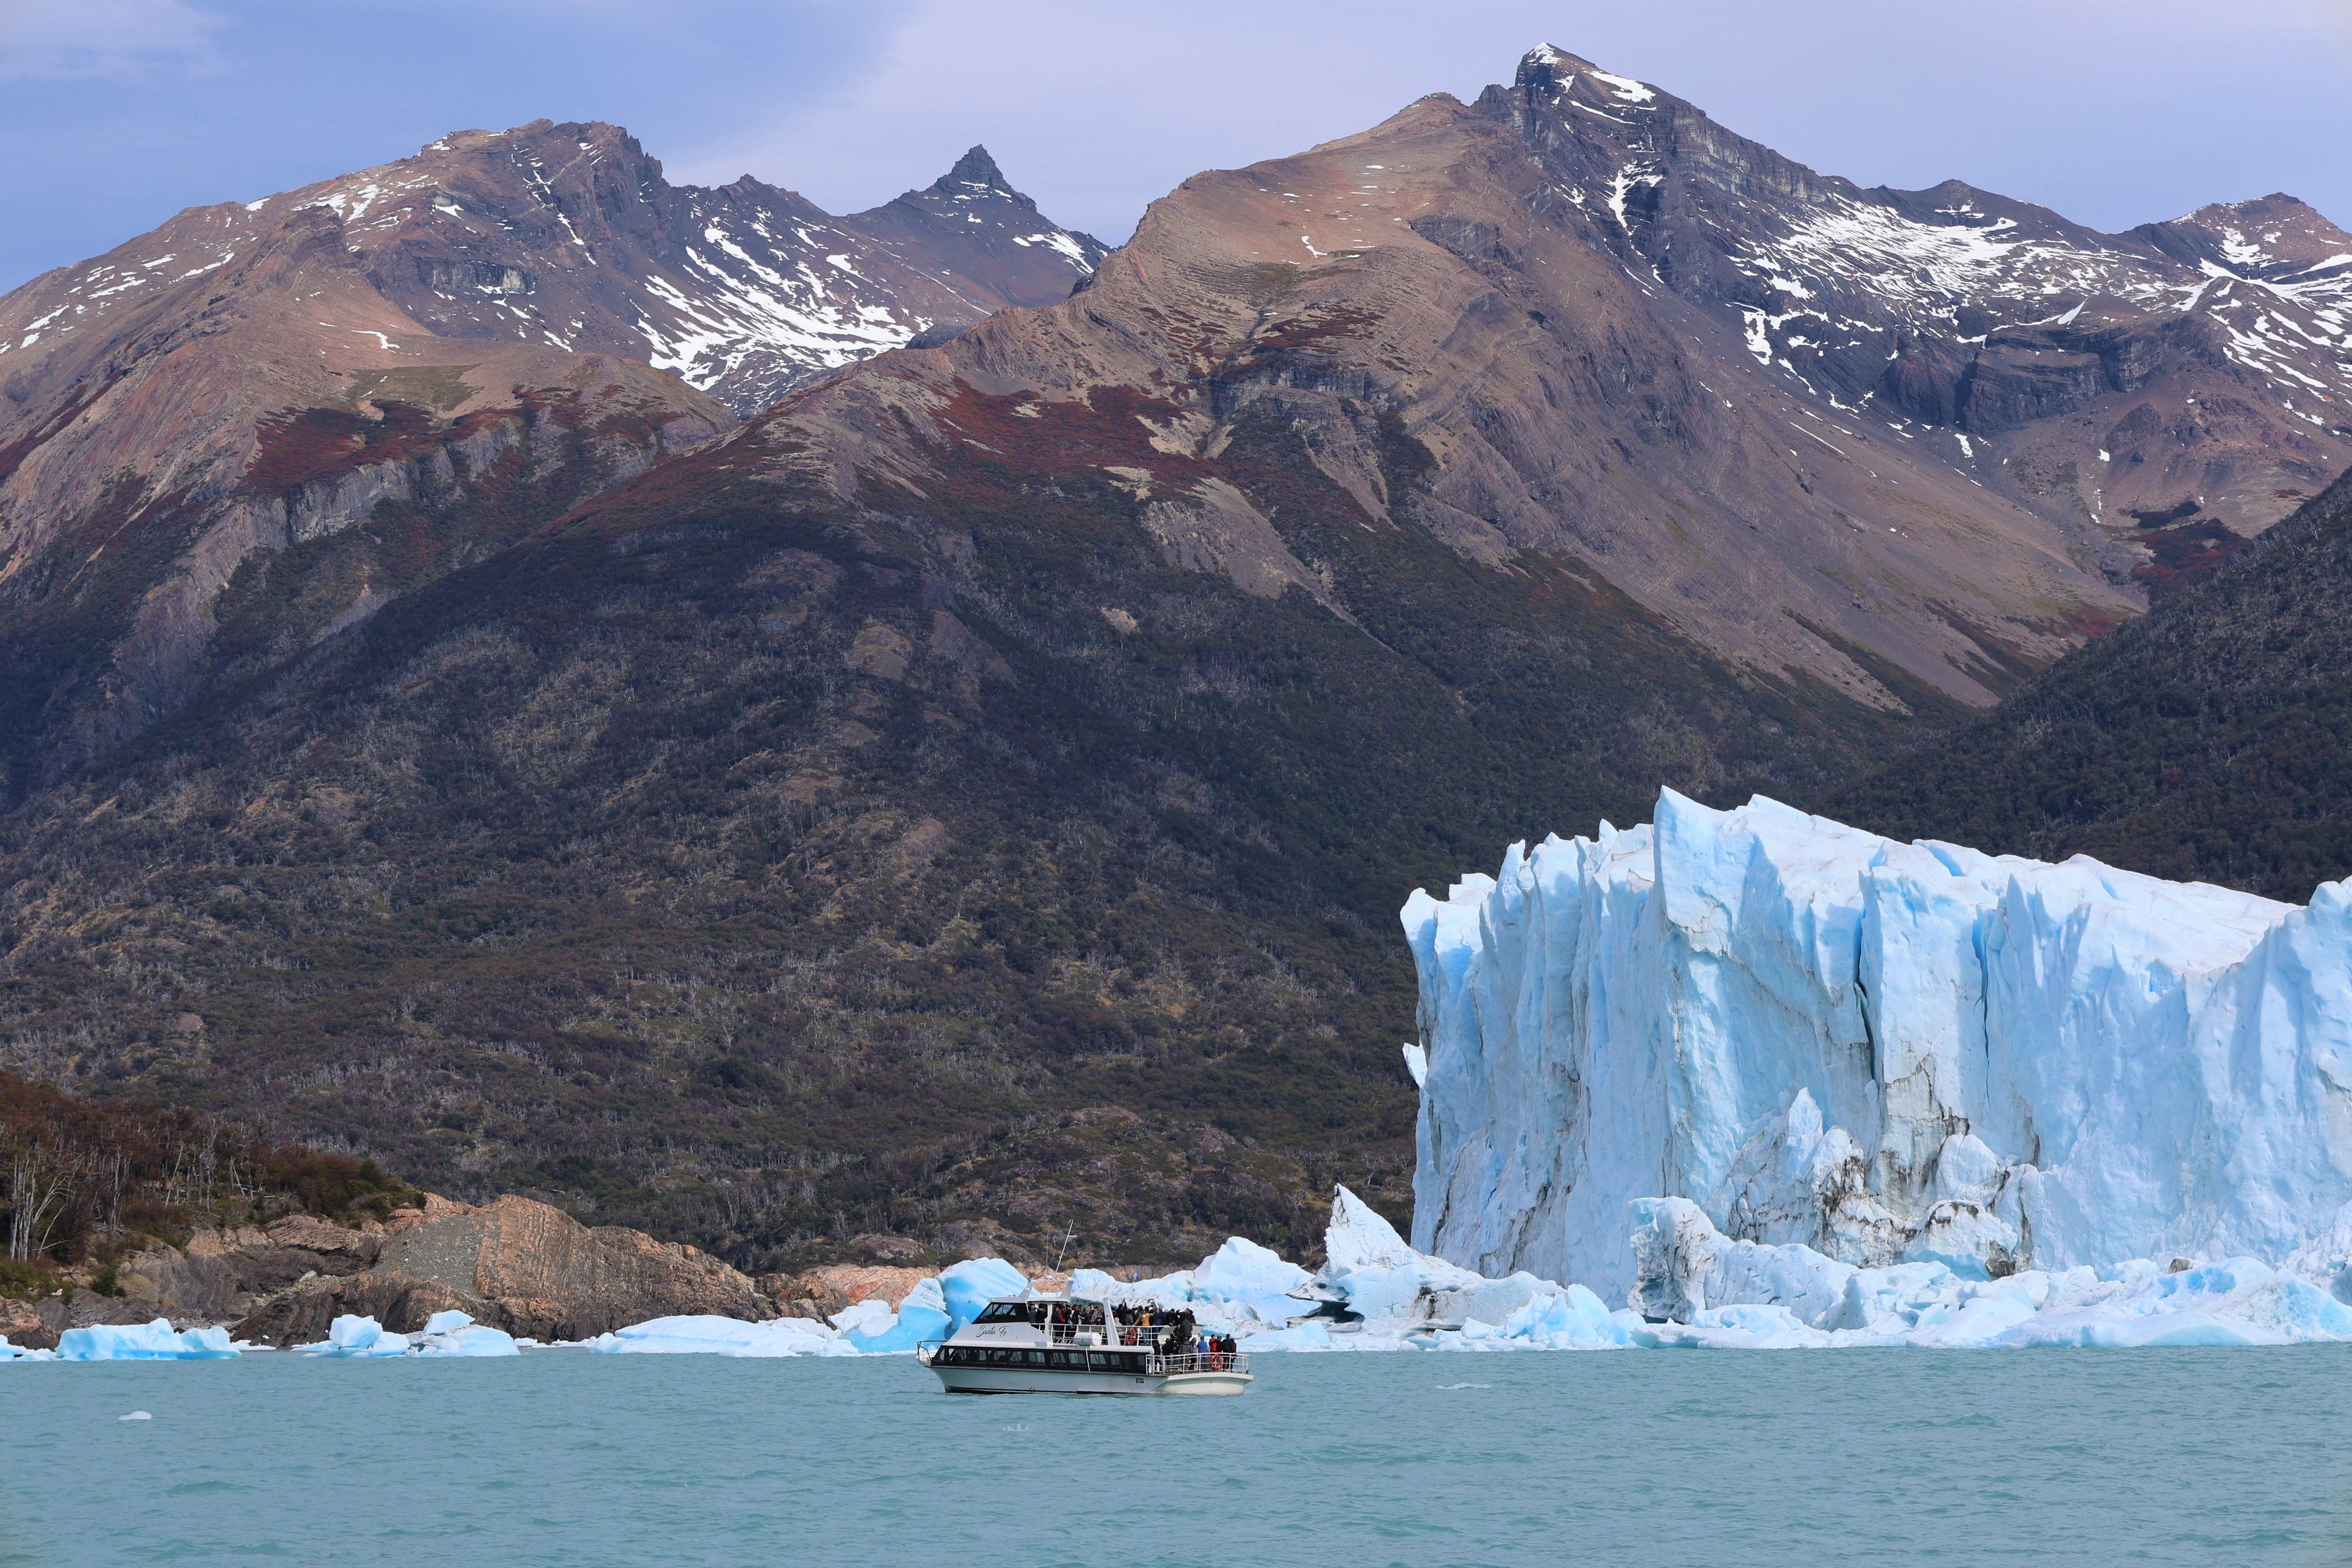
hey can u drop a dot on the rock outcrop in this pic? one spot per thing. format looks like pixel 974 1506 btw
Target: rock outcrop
pixel 516 1264
pixel 821 1293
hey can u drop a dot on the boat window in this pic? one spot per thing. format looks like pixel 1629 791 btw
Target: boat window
pixel 1004 1313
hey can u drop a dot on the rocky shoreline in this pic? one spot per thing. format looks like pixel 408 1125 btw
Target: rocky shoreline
pixel 515 1263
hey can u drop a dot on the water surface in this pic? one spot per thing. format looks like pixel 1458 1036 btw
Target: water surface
pixel 1730 1460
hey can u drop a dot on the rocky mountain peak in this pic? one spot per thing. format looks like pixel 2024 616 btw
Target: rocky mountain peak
pixel 1547 72
pixel 976 172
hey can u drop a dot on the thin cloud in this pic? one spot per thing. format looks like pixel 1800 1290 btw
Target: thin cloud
pixel 85 40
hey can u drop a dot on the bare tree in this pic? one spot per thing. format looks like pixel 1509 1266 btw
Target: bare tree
pixel 42 1181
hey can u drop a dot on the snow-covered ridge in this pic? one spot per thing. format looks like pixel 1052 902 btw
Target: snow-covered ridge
pixel 1830 282
pixel 568 235
pixel 1884 1052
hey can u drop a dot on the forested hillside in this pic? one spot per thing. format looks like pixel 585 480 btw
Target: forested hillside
pixel 727 861
pixel 2212 739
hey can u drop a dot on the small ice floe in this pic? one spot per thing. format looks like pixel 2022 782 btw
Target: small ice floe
pixel 450 1333
pixel 1451 1387
pixel 136 1416
pixel 456 1333
pixel 689 1335
pixel 351 1337
pixel 144 1341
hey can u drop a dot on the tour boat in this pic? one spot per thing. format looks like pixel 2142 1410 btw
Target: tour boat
pixel 1063 1344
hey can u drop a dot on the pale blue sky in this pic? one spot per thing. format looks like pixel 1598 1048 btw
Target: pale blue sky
pixel 117 112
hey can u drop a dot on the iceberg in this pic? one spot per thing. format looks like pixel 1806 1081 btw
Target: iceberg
pixel 1695 1289
pixel 923 1315
pixel 1250 1283
pixel 22 1353
pixel 704 1335
pixel 1372 1274
pixel 1242 1287
pixel 354 1338
pixel 936 1308
pixel 965 1288
pixel 449 1333
pixel 144 1341
pixel 455 1334
pixel 1888 1055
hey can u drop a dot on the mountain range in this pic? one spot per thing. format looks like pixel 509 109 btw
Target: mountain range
pixel 509 694
pixel 500 324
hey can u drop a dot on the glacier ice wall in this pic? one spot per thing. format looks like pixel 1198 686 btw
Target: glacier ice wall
pixel 1885 1051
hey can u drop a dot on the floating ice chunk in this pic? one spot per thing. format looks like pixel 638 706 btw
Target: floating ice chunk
pixel 455 1334
pixel 1754 1326
pixel 1573 1319
pixel 136 1416
pixel 703 1335
pixel 1168 1290
pixel 923 1315
pixel 1980 1320
pixel 22 1353
pixel 869 1316
pixel 1747 1295
pixel 352 1337
pixel 968 1286
pixel 1396 1289
pixel 1096 1284
pixel 1311 1335
pixel 143 1342
pixel 1251 1281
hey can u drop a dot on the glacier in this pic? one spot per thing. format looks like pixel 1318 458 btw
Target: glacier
pixel 1889 1057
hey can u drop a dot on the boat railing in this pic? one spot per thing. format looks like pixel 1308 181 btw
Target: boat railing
pixel 1214 1360
pixel 1108 1336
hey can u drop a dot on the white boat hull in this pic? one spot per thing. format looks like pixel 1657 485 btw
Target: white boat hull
pixel 1048 1380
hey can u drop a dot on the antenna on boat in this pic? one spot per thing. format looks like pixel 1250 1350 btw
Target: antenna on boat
pixel 1069 1233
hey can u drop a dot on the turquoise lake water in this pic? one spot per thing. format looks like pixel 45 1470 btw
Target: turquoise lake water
pixel 1734 1460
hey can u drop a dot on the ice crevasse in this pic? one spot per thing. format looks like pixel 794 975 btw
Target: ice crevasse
pixel 1842 1053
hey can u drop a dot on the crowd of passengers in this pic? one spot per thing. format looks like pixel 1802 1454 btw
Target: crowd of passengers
pixel 1170 1333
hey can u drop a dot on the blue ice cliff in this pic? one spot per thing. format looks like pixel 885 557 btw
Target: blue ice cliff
pixel 1876 1056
